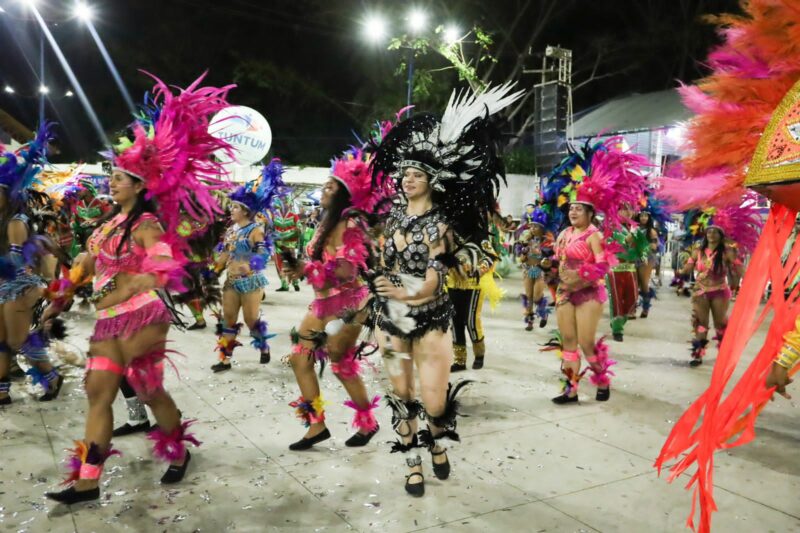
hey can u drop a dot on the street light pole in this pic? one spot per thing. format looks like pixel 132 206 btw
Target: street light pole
pixel 41 78
pixel 410 80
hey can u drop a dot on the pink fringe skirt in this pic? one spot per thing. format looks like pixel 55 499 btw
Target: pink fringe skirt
pixel 724 293
pixel 123 320
pixel 581 296
pixel 339 304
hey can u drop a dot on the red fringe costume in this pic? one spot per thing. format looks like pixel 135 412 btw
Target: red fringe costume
pixel 754 69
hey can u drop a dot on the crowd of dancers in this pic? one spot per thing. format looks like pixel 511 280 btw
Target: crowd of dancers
pixel 403 250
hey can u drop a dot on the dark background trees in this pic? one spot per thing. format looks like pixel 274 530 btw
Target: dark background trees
pixel 306 67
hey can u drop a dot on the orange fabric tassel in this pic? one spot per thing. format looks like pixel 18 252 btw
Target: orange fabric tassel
pixel 712 422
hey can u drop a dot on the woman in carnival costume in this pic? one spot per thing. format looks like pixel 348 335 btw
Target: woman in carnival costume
pixel 536 253
pixel 245 251
pixel 337 259
pixel 447 171
pixel 710 263
pixel 166 171
pixel 602 178
pixel 651 223
pixel 22 269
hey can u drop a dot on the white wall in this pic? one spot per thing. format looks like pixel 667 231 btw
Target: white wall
pixel 522 189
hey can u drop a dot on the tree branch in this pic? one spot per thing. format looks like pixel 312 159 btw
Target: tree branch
pixel 592 78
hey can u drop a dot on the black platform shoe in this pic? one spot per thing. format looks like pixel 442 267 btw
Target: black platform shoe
pixel 220 367
pixel 70 495
pixel 174 473
pixel 477 364
pixel 265 357
pixel 6 401
pixel 603 395
pixel 305 444
pixel 543 323
pixel 415 489
pixel 129 429
pixel 564 399
pixel 197 325
pixel 696 362
pixel 617 337
pixel 441 470
pixel 51 395
pixel 360 439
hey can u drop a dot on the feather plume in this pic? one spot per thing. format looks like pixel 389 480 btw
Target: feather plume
pixel 464 107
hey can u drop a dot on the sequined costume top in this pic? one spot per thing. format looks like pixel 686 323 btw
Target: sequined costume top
pixel 575 254
pixel 336 277
pixel 104 243
pixel 237 244
pixel 420 233
pixel 706 280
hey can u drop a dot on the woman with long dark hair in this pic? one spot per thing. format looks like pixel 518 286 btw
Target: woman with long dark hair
pixel 165 173
pixel 338 257
pixel 447 172
pixel 245 251
pixel 23 268
pixel 604 178
pixel 712 294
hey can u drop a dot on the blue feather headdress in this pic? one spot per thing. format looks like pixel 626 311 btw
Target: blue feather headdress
pixel 259 196
pixel 660 210
pixel 19 171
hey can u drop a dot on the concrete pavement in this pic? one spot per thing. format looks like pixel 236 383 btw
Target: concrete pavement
pixel 524 464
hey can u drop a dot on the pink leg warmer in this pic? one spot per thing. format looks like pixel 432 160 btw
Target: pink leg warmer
pixel 364 418
pixel 600 364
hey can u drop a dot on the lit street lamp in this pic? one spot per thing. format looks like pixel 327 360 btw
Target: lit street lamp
pixel 83 12
pixel 375 30
pixel 8 89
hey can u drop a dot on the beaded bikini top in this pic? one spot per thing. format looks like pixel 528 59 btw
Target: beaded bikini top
pixel 104 243
pixel 413 258
pixel 237 242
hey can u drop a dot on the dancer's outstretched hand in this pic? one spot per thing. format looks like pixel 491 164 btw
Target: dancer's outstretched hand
pixel 779 377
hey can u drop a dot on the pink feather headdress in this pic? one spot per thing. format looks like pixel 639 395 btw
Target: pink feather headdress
pixel 604 175
pixel 171 152
pixel 740 222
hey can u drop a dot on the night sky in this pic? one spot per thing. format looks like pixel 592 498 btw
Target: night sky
pixel 305 65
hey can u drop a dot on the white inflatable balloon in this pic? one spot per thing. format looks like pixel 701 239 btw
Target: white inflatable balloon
pixel 246 130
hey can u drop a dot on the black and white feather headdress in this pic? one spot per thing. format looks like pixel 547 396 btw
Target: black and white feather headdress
pixel 460 153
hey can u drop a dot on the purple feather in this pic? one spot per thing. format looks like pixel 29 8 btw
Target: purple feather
pixel 258 262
